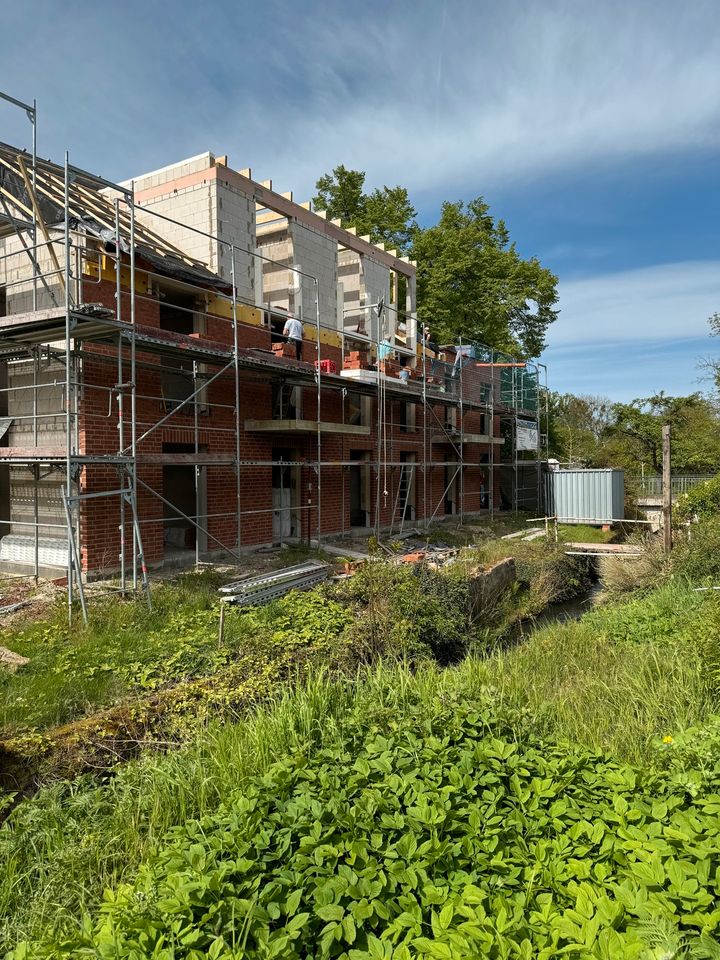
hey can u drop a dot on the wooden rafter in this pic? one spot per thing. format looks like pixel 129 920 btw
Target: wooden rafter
pixel 40 220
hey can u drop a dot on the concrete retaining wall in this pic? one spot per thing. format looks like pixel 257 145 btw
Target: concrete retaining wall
pixel 488 585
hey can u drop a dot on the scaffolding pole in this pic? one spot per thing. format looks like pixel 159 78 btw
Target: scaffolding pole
pixel 129 454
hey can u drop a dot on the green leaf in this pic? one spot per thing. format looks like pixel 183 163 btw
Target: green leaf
pixel 331 911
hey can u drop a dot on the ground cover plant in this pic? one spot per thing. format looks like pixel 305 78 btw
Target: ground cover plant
pixel 127 651
pixel 439 832
pixel 604 689
pixel 632 687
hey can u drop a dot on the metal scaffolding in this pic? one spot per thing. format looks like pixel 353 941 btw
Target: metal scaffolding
pixel 99 230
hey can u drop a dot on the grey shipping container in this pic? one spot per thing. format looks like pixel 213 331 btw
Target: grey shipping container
pixel 578 496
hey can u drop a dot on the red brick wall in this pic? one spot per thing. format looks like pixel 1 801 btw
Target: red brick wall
pixel 99 436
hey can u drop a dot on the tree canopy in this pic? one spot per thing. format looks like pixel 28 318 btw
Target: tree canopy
pixel 386 214
pixel 472 283
pixel 593 432
pixel 576 426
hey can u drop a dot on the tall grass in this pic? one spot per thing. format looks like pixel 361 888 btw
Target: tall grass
pixel 73 671
pixel 591 681
pixel 61 849
pixel 616 680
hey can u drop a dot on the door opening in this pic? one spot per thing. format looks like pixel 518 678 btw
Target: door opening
pixel 285 495
pixel 182 491
pixel 359 485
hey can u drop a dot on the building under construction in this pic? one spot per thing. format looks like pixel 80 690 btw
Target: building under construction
pixel 153 411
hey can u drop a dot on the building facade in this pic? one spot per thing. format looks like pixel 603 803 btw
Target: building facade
pixel 153 410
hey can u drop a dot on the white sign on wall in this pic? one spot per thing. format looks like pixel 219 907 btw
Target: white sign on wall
pixel 526 435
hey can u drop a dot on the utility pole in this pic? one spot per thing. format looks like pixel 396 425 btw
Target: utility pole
pixel 667 491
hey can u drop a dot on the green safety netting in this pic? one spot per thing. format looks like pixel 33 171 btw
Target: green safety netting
pixel 519 388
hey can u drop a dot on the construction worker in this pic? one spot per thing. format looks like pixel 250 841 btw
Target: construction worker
pixel 293 332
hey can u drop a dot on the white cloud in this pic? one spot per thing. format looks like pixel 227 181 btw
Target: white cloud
pixel 659 303
pixel 450 96
pixel 481 96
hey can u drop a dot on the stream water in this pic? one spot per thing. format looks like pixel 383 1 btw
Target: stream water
pixel 555 613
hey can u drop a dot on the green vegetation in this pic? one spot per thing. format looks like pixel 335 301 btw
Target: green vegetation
pixel 472 282
pixel 702 501
pixel 439 834
pixel 402 786
pixel 386 215
pixel 68 843
pixel 127 652
pixel 619 679
pixel 595 432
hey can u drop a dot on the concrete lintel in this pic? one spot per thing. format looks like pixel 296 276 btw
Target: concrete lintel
pixel 305 426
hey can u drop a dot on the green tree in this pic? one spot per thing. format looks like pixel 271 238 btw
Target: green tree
pixel 473 283
pixel 342 194
pixel 386 214
pixel 634 436
pixel 597 433
pixel 577 425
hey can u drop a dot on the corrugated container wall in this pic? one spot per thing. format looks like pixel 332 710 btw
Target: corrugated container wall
pixel 582 495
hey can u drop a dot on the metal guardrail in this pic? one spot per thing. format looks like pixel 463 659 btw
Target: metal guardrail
pixel 652 486
pixel 254 591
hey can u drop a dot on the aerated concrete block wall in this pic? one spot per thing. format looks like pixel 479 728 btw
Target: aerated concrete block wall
pixel 50 433
pixel 194 206
pixel 16 273
pixel 364 282
pixel 273 242
pixel 236 225
pixel 375 283
pixel 207 204
pixel 316 255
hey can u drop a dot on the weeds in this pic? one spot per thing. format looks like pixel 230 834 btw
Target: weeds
pixel 436 831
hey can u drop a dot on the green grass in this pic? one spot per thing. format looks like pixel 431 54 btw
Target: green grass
pixel 444 828
pixel 126 651
pixel 617 681
pixel 619 678
pixel 582 533
pixel 76 670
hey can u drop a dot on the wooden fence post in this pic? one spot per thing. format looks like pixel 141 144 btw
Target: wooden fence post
pixel 667 491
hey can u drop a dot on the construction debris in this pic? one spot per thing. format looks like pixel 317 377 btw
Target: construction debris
pixel 606 549
pixel 254 591
pixel 345 552
pixel 10 607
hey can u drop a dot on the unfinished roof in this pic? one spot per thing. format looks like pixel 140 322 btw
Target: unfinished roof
pixel 91 204
pixel 279 205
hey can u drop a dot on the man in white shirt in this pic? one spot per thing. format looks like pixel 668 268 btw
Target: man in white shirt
pixel 293 331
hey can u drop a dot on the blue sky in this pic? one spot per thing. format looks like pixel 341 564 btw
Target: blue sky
pixel 592 128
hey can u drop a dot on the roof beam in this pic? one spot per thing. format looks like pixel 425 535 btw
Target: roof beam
pixel 271 200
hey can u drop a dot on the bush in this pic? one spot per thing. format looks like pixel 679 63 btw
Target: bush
pixel 434 835
pixel 697 555
pixel 700 501
pixel 408 612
